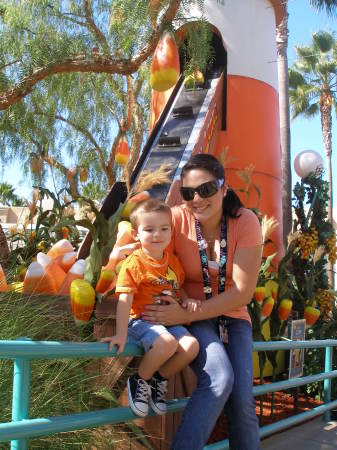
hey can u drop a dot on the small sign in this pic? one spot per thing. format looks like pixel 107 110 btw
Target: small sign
pixel 296 360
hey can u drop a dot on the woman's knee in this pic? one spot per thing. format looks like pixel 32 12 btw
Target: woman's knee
pixel 216 372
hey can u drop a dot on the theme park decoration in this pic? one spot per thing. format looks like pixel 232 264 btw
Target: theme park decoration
pixel 3 283
pixel 82 299
pixel 60 248
pixel 76 272
pixel 53 270
pixel 131 203
pixel 66 260
pixel 165 67
pixel 307 161
pixel 38 281
pixel 194 80
pixel 123 152
pixel 267 308
pixel 259 294
pixel 311 315
pixel 83 175
pixel 285 308
pixel 105 280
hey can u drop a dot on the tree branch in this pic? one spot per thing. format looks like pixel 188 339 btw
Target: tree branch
pixel 91 24
pixel 80 63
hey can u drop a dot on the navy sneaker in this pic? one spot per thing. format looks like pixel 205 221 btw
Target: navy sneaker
pixel 139 392
pixel 158 393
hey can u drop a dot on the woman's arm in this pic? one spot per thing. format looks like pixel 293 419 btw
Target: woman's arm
pixel 246 266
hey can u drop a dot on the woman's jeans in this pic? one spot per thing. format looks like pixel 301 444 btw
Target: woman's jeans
pixel 225 381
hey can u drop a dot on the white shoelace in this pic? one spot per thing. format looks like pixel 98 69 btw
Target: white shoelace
pixel 161 390
pixel 142 393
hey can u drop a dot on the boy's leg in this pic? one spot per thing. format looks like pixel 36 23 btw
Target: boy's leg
pixel 187 350
pixel 159 345
pixel 161 350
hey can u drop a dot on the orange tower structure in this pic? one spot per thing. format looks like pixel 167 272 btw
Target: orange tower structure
pixel 243 115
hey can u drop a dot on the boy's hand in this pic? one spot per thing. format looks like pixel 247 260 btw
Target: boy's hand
pixel 115 340
pixel 191 304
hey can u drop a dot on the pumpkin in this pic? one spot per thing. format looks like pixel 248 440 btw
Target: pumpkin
pixel 311 315
pixel 267 308
pixel 195 79
pixel 165 67
pixel 65 232
pixel 82 299
pixel 285 308
pixel 123 152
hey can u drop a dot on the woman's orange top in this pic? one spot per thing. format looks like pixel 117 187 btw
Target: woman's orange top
pixel 244 231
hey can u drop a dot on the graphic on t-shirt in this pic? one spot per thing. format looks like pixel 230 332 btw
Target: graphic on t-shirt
pixel 171 278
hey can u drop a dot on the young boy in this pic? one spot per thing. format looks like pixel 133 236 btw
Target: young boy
pixel 146 274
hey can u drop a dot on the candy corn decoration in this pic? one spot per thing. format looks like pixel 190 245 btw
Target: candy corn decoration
pixel 311 315
pixel 82 299
pixel 285 308
pixel 38 281
pixel 144 195
pixel 83 175
pixel 123 152
pixel 271 289
pixel 259 294
pixel 53 271
pixel 267 308
pixel 3 282
pixel 105 280
pixel 76 272
pixel 60 248
pixel 165 67
pixel 124 236
pixel 65 232
pixel 66 261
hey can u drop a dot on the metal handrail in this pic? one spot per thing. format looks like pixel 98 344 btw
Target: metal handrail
pixel 24 350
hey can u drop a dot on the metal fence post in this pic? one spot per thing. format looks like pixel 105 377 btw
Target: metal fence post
pixel 20 403
pixel 327 382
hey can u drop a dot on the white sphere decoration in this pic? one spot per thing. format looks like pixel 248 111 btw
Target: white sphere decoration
pixel 306 162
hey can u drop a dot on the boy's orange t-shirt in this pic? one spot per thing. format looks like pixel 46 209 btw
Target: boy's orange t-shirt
pixel 244 231
pixel 147 278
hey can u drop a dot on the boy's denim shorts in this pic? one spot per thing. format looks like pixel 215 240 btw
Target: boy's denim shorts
pixel 145 333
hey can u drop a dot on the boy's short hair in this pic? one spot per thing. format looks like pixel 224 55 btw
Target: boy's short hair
pixel 150 205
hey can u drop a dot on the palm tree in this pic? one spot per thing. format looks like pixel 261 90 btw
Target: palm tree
pixel 8 196
pixel 330 6
pixel 312 83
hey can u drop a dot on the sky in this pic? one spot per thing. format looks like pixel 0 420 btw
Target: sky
pixel 305 134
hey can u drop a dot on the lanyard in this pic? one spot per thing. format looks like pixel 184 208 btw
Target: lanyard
pixel 202 245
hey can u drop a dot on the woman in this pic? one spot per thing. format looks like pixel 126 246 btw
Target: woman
pixel 219 245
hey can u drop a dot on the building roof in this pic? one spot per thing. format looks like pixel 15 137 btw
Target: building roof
pixel 279 7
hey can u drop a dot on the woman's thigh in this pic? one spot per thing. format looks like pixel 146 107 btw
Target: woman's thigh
pixel 212 365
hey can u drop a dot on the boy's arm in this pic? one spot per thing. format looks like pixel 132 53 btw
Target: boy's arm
pixel 122 320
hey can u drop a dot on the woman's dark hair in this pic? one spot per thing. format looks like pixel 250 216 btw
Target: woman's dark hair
pixel 203 161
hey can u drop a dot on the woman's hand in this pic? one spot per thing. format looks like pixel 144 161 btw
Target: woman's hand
pixel 170 314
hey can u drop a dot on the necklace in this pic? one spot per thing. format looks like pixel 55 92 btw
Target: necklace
pixel 202 244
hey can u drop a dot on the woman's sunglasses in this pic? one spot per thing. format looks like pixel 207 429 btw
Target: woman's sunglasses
pixel 205 190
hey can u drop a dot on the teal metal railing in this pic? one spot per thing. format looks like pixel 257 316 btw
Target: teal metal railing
pixel 23 351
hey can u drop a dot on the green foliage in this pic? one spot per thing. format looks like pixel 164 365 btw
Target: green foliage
pixel 59 387
pixel 8 196
pixel 312 78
